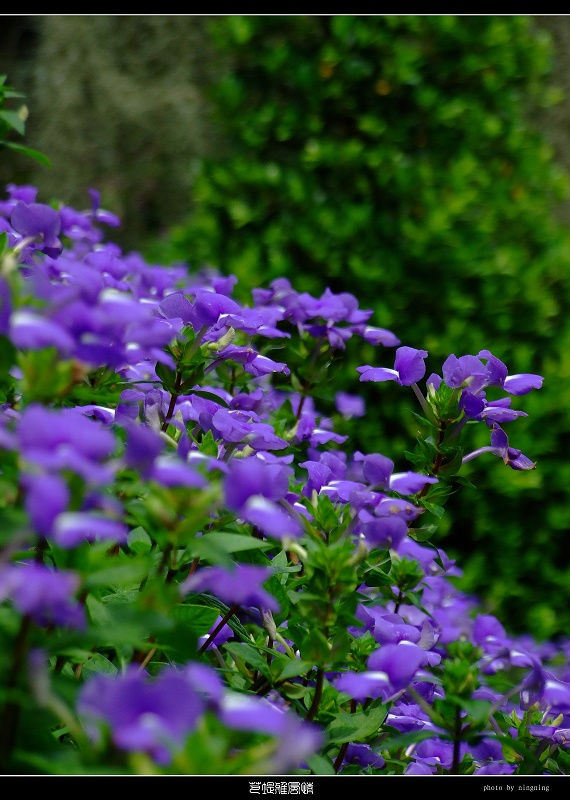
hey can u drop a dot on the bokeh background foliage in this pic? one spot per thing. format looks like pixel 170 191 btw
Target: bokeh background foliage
pixel 406 159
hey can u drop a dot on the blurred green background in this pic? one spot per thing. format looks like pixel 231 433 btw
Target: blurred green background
pixel 419 162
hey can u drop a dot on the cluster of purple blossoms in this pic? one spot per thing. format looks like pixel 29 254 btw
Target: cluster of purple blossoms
pixel 180 426
pixel 471 376
pixel 155 716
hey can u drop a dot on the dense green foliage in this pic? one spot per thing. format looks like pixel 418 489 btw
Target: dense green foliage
pixel 394 157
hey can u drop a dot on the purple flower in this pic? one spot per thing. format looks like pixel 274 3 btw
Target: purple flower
pixel 436 752
pixel 5 306
pixel 476 407
pixel 464 371
pixel 65 439
pixel 392 629
pixel 400 662
pixel 248 477
pixel 469 372
pixel 209 306
pixel 350 405
pixel 151 716
pixel 499 446
pixel 554 734
pixel 240 586
pixel 253 362
pixel 297 739
pixel 39 222
pixel 488 633
pixel 98 213
pixel 389 670
pixel 378 471
pixel 223 635
pixel 47 596
pixel 143 445
pixel 542 688
pixel 172 471
pixel 417 768
pixel 31 331
pixel 513 384
pixel 409 367
pixel 46 497
pixel 376 336
pixel 385 532
pixel 270 518
pixel 259 321
pixel 241 426
pixel 364 756
pixel 73 528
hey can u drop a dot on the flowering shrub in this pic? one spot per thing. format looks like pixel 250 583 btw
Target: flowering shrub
pixel 198 574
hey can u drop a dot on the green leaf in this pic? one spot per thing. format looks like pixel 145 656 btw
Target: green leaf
pixel 197 617
pixel 99 665
pixel 423 535
pixel 437 511
pixel 14 120
pixel 249 655
pixel 211 545
pixel 320 765
pixel 222 609
pixel 29 151
pixel 356 727
pixel 208 445
pixel 396 743
pixel 294 668
pixel 139 541
pixel 166 375
pixel 126 575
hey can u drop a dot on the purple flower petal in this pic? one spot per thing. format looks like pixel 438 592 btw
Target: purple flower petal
pixel 410 482
pixel 73 528
pixel 270 518
pixel 410 365
pixel 47 496
pixel 522 384
pixel 399 661
pixel 350 405
pixel 252 476
pixel 239 586
pixel 466 370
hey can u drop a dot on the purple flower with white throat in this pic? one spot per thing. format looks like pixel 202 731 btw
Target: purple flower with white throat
pixel 73 528
pixel 465 371
pixel 40 224
pixel 389 670
pixel 253 476
pixel 145 715
pixel 255 489
pixel 378 471
pixel 65 439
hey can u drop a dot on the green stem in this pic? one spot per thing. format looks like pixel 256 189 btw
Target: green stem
pixel 229 613
pixel 318 694
pixel 456 742
pixel 172 405
pixel 11 711
pixel 344 747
